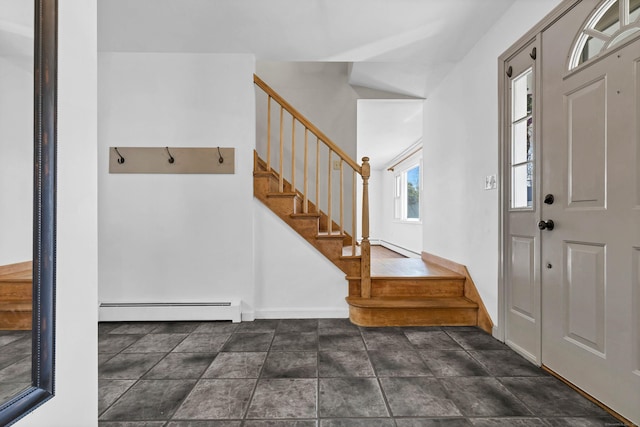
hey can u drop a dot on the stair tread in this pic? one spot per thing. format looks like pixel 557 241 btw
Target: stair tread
pixel 390 268
pixel 283 194
pixel 334 234
pixel 402 302
pixel 18 276
pixel 305 215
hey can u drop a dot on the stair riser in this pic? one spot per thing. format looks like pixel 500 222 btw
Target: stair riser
pixel 15 320
pixel 413 317
pixel 284 206
pixel 15 292
pixel 416 288
pixel 351 267
pixel 265 184
pixel 305 224
pixel 354 287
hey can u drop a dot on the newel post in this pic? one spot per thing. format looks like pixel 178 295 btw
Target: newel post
pixel 365 246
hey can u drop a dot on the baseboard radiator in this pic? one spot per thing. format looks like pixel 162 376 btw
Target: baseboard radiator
pixel 164 311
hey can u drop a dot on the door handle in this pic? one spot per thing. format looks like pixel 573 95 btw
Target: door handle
pixel 546 225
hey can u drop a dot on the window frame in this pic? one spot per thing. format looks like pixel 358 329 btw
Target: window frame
pixel 400 182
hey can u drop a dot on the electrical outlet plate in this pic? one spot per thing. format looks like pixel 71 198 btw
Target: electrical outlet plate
pixel 336 165
pixel 490 182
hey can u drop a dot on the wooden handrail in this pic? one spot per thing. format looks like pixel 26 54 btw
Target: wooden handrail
pixel 364 171
pixel 302 119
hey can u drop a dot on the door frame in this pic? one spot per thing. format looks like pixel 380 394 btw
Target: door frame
pixel 503 145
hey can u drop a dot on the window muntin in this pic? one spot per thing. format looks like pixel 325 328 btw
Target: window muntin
pixel 522 142
pixel 611 23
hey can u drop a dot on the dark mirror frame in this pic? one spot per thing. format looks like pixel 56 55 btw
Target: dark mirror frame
pixel 44 216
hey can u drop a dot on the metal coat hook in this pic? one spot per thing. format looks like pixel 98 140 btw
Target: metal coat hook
pixel 121 159
pixel 171 159
pixel 220 158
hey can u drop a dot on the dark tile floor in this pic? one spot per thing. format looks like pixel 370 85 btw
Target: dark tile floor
pixel 15 363
pixel 325 373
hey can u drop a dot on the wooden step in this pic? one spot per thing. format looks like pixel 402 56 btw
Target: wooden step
pixel 16 296
pixel 284 204
pixel 15 316
pixel 451 311
pixel 417 287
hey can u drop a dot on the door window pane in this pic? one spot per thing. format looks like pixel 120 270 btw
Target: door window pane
pixel 522 137
pixel 522 142
pixel 521 186
pixel 522 95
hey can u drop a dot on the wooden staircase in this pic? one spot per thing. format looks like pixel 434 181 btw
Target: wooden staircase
pixel 16 296
pixel 382 292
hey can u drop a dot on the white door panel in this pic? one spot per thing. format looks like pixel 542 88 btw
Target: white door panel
pixel 522 243
pixel 590 158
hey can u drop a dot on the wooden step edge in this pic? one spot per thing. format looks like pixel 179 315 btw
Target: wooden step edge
pixel 283 195
pixel 20 267
pixel 5 279
pixel 15 306
pixel 424 278
pixel 354 257
pixel 258 173
pixel 334 235
pixel 305 215
pixel 407 303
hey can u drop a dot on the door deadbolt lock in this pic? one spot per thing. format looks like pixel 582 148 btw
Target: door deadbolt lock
pixel 549 199
pixel 549 266
pixel 546 225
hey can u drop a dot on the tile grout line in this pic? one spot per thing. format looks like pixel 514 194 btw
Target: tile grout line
pixel 243 419
pixel 178 406
pixel 135 381
pixel 375 373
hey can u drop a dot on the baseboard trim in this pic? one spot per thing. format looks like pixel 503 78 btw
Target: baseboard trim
pixel 311 313
pixel 170 311
pixel 399 249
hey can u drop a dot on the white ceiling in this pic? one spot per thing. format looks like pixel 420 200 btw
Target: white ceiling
pixel 388 127
pixel 405 46
pixel 400 46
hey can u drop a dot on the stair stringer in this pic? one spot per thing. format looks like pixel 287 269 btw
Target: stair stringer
pixel 288 206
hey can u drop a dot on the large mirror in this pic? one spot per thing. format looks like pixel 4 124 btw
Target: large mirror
pixel 28 77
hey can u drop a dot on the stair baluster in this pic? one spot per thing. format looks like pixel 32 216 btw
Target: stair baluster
pixel 365 246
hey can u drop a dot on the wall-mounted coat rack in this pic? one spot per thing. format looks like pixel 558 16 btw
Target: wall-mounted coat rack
pixel 171 160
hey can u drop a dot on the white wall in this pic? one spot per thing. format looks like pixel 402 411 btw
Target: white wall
pixel 321 92
pixel 461 148
pixel 16 152
pixel 75 403
pixel 293 279
pixel 166 237
pixel 16 131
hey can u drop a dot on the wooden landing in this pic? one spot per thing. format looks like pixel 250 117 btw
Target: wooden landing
pixel 412 292
pixel 409 267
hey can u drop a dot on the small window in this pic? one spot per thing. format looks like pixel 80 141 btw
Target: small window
pixel 612 22
pixel 407 194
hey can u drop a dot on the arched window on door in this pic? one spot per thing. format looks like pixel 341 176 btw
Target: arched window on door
pixel 612 22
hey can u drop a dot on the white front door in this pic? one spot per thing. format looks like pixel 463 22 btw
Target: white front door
pixel 522 242
pixel 590 259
